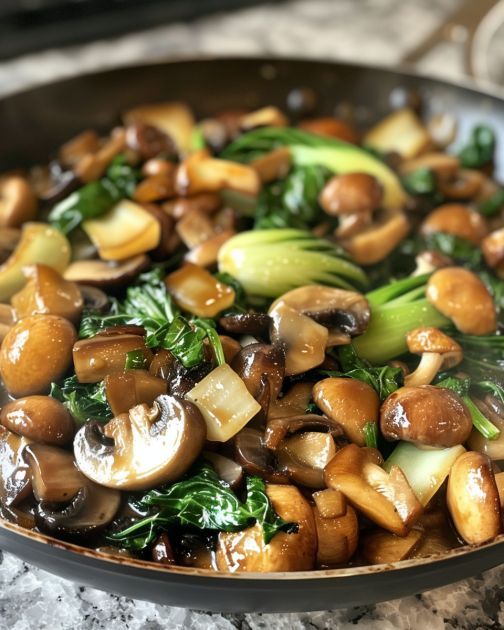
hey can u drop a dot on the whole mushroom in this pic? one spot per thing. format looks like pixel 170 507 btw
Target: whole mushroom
pixel 437 350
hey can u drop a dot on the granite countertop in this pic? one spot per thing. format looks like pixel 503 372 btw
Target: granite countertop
pixel 375 31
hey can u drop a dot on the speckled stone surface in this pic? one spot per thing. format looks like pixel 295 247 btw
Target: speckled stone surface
pixel 374 31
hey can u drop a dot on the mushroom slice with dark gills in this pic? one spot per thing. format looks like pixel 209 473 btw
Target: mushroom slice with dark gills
pixel 69 504
pixel 259 361
pixel 15 482
pixel 147 447
pixel 307 320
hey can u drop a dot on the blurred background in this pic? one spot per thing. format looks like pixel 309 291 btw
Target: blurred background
pixel 41 40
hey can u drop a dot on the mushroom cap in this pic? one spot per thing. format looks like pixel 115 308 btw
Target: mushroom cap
pixel 35 352
pixel 349 402
pixel 428 415
pixel 142 449
pixel 102 273
pixel 430 339
pixel 351 193
pixel 456 219
pixel 473 498
pixel 247 551
pixel 493 249
pixel 462 297
pixel 39 418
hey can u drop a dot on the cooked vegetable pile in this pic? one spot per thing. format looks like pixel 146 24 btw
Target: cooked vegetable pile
pixel 251 343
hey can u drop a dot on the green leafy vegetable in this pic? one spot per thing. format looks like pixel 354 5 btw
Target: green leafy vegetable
pixel 422 181
pixel 371 434
pixel 480 147
pixel 268 263
pixel 461 386
pixel 308 149
pixel 135 360
pixel 492 388
pixel 453 246
pixel 96 198
pixel 85 401
pixel 384 380
pixel 204 501
pixel 293 202
pixel 491 207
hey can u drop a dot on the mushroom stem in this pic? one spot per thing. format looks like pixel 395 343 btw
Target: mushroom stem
pixel 429 366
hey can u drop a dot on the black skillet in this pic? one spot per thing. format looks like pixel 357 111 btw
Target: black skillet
pixel 34 123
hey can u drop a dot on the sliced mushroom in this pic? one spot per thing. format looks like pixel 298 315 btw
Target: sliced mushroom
pixel 401 132
pixel 162 551
pixel 300 337
pixel 18 204
pixel 473 498
pixel 194 228
pixel 55 478
pixel 150 142
pixel 254 324
pixel 101 273
pixel 47 292
pixel 332 128
pixel 93 165
pixel 442 164
pixel 146 448
pixel 379 547
pixel 437 351
pixel 125 390
pixel 337 536
pixel 15 479
pixel 247 551
pixel 39 418
pixel 465 184
pixel 385 498
pixel 228 470
pixel 255 458
pixel 257 361
pixel 98 356
pixel 345 313
pixel 376 241
pixel 349 402
pixel 205 254
pixel 173 119
pixel 462 297
pixel 305 455
pixel 207 203
pixel 293 403
pixel 428 415
pixel 155 188
pixel 76 148
pixel 265 117
pixel 35 352
pixel 195 290
pixel 458 220
pixel 279 428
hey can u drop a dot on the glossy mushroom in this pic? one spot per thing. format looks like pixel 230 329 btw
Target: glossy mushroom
pixel 47 292
pixel 18 203
pixel 69 505
pixel 349 402
pixel 462 297
pixel 125 390
pixel 473 498
pixel 15 480
pixel 258 361
pixel 352 197
pixel 39 418
pixel 35 352
pixel 425 415
pixel 492 247
pixel 101 273
pixel 247 551
pixel 436 349
pixel 458 220
pixel 145 448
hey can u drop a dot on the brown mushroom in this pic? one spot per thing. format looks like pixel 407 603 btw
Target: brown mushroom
pixel 430 260
pixel 337 536
pixel 247 551
pixel 385 498
pixel 69 504
pixel 93 165
pixel 376 241
pixel 257 361
pixel 465 184
pixel 332 128
pixel 265 117
pixel 492 247
pixel 7 320
pixel 352 197
pixel 473 498
pixel 305 455
pixel 101 273
pixel 149 142
pixel 345 313
pixel 280 427
pixel 456 219
pixel 84 143
pixel 255 458
pixel 462 297
pixel 205 254
pixel 15 480
pixel 104 354
pixel 47 292
pixel 437 351
pixel 442 164
pixel 428 415
pixel 148 447
pixel 254 324
pixel 162 551
pixel 124 390
pixel 18 204
pixel 273 165
pixel 39 418
pixel 380 547
pixel 35 352
pixel 155 188
pixel 349 402
pixel 228 470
